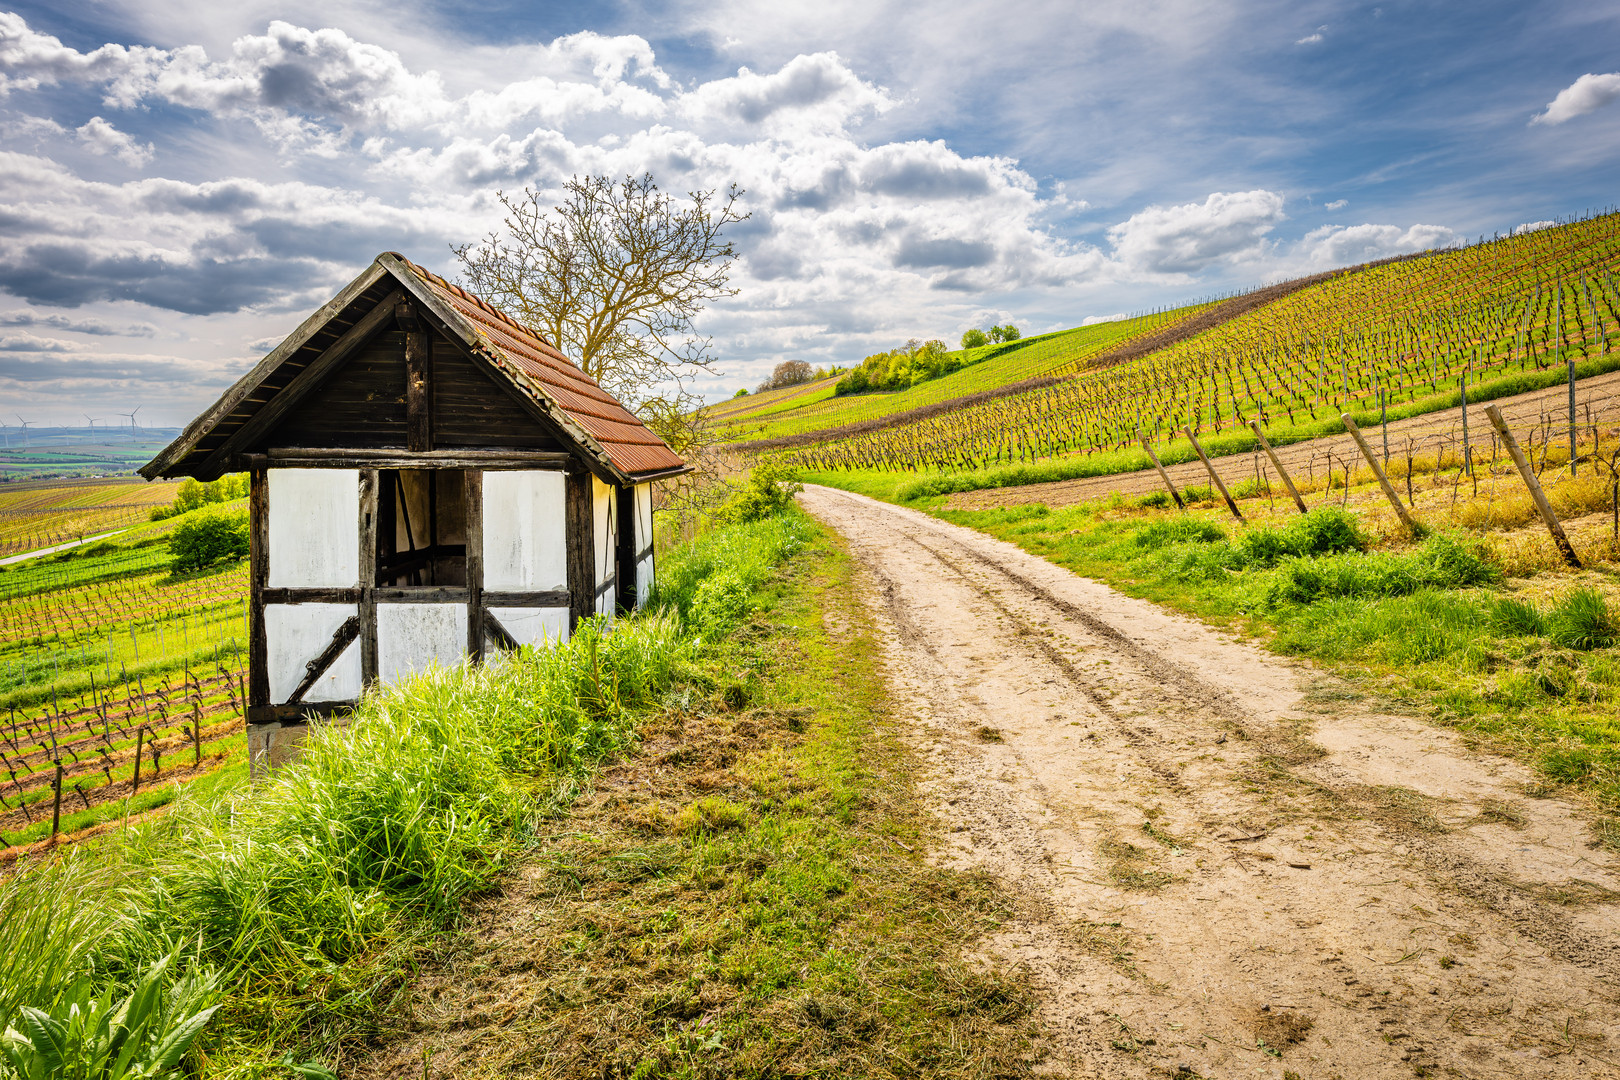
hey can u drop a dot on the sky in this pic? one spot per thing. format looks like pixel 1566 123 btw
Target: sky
pixel 182 183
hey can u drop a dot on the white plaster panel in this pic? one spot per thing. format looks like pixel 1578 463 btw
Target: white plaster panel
pixel 602 507
pixel 410 637
pixel 525 532
pixel 644 580
pixel 644 539
pixel 314 527
pixel 606 604
pixel 534 626
pixel 295 634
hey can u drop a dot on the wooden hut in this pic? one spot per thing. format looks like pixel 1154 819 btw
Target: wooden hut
pixel 430 480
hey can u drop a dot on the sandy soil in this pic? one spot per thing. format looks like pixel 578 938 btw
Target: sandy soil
pixel 1597 400
pixel 1229 865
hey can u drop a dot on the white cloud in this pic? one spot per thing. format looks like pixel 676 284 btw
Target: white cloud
pixel 1582 96
pixel 1310 39
pixel 33 343
pixel 102 138
pixel 1225 227
pixel 1532 226
pixel 1340 245
pixel 1093 320
pixel 78 324
pixel 817 91
pixel 1336 204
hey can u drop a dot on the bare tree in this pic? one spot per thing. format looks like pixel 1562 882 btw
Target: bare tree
pixel 788 373
pixel 615 276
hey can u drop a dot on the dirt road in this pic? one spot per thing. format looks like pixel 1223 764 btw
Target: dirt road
pixel 1534 418
pixel 1228 866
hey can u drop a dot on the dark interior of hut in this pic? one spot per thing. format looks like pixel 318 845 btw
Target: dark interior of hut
pixel 427 544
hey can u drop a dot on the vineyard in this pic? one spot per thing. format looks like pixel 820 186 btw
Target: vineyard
pixel 39 514
pixel 120 680
pixel 118 750
pixel 1406 337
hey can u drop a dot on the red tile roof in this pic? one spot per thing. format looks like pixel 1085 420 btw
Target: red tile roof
pixel 545 372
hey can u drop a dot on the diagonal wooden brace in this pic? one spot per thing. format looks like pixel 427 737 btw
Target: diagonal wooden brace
pixel 498 633
pixel 334 648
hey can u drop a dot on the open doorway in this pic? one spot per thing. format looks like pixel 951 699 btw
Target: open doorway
pixel 422 527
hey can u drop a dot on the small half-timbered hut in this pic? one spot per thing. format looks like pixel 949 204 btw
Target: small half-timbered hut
pixel 431 480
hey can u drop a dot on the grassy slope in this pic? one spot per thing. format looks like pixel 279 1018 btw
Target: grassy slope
pixel 745 890
pixel 1411 328
pixel 1025 359
pixel 760 868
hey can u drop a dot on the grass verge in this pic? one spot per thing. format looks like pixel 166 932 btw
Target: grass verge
pixel 314 896
pixel 744 897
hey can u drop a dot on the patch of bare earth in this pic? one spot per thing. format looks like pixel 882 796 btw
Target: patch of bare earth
pixel 1229 866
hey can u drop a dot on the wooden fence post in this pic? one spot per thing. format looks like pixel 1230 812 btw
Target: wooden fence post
pixel 1383 481
pixel 1214 477
pixel 1277 464
pixel 1534 485
pixel 1174 494
pixel 56 807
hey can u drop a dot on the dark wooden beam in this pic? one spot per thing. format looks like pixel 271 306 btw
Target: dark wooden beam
pixel 490 627
pixel 418 380
pixel 580 532
pixel 473 497
pixel 370 522
pixel 270 714
pixel 336 457
pixel 311 595
pixel 554 599
pixel 272 411
pixel 258 692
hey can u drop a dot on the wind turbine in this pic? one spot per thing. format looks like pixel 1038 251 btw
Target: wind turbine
pixel 92 420
pixel 24 424
pixel 132 424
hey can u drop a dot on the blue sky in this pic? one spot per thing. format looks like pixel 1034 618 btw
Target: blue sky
pixel 180 184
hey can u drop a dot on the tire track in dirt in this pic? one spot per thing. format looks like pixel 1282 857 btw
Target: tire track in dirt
pixel 1206 890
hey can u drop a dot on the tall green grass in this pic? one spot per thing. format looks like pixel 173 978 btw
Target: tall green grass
pixel 311 892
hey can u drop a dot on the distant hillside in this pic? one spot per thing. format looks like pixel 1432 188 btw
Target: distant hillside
pixel 51 452
pixel 1507 311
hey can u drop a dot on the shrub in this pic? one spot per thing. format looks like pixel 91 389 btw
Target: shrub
pixel 1582 620
pixel 208 537
pixel 1515 618
pixel 973 339
pixel 194 494
pixel 1326 530
pixel 768 491
pixel 1179 530
pixel 1440 563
